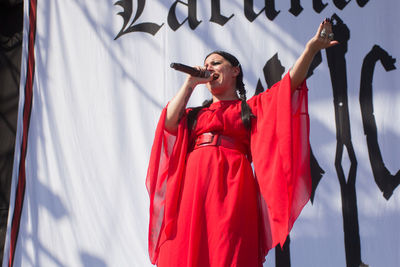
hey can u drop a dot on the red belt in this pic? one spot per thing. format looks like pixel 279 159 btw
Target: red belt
pixel 211 139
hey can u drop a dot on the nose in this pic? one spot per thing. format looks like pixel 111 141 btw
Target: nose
pixel 210 68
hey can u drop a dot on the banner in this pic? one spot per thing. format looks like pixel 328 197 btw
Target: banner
pixel 95 76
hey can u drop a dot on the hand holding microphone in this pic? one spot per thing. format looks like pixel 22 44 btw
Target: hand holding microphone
pixel 201 73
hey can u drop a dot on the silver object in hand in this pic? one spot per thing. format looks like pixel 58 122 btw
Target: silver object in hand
pixel 323 33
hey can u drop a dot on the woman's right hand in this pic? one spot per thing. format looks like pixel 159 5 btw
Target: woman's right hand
pixel 176 107
pixel 193 80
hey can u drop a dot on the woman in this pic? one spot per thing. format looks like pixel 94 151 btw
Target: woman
pixel 207 207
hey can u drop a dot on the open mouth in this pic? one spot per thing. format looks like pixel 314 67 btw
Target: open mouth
pixel 215 76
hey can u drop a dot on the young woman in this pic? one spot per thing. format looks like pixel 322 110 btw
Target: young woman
pixel 207 206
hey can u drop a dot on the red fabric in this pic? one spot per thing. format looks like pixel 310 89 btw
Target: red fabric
pixel 206 207
pixel 280 150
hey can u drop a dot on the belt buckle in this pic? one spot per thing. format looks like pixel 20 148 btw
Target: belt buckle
pixel 207 139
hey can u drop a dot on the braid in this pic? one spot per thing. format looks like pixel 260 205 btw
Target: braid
pixel 246 113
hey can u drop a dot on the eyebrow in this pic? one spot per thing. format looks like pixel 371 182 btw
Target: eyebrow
pixel 214 61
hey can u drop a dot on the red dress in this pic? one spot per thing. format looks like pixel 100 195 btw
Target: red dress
pixel 207 208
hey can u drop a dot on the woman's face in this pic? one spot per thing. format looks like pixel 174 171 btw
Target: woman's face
pixel 224 82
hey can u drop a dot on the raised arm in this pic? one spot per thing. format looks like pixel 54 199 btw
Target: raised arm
pixel 319 41
pixel 177 105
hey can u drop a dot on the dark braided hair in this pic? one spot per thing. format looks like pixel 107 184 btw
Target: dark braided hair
pixel 246 113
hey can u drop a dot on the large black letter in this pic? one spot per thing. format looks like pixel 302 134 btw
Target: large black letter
pixel 338 71
pixel 295 7
pixel 341 3
pixel 318 5
pixel 148 27
pixel 385 181
pixel 362 3
pixel 249 10
pixel 216 15
pixel 192 17
pixel 270 10
pixel 282 254
pixel 316 171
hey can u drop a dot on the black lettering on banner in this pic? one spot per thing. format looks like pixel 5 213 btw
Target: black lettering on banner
pixel 318 6
pixel 316 171
pixel 317 60
pixel 386 182
pixel 362 3
pixel 295 7
pixel 192 15
pixel 273 71
pixel 126 14
pixel 249 10
pixel 338 72
pixel 216 15
pixel 282 254
pixel 341 4
pixel 270 10
pixel 316 174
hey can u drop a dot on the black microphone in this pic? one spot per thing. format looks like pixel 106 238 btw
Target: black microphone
pixel 190 70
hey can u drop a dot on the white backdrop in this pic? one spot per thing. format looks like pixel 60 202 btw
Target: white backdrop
pixel 96 102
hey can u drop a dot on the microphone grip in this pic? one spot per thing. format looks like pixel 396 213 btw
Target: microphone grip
pixel 190 70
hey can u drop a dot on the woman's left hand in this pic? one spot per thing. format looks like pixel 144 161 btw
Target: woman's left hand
pixel 323 38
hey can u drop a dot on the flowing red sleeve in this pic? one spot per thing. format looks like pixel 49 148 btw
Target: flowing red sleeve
pixel 163 182
pixel 280 150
